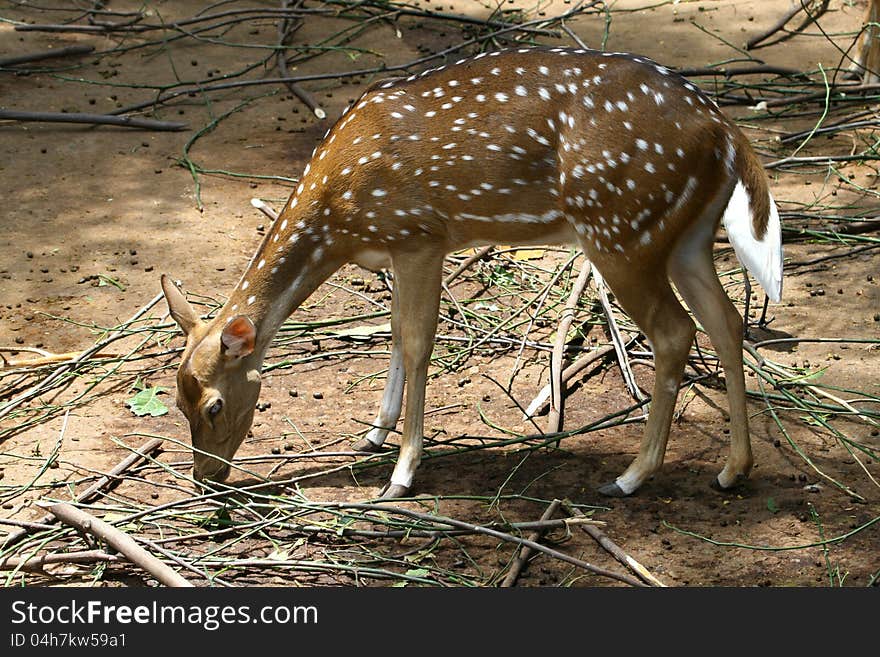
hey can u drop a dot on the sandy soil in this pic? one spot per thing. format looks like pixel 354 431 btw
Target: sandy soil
pixel 85 205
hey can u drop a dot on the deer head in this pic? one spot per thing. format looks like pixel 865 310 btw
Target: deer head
pixel 218 383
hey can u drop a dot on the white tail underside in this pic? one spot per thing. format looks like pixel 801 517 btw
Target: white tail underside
pixel 763 258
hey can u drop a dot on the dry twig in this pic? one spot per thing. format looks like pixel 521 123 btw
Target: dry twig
pixel 525 553
pixel 92 119
pixel 85 522
pixel 613 549
pixel 557 387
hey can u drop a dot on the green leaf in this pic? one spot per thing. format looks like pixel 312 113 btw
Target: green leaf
pixel 220 519
pixel 146 402
pixel 107 280
pixel 772 506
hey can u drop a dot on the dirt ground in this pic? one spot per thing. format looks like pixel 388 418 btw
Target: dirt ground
pixel 93 215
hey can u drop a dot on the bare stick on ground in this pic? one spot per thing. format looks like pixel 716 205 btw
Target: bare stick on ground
pixel 557 386
pixel 617 339
pixel 525 553
pixel 38 564
pixel 567 375
pixel 613 549
pixel 120 541
pixel 93 119
pixel 265 208
pixel 45 54
pixel 479 255
pixel 799 6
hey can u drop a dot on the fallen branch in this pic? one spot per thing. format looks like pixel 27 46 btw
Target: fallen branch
pixel 617 339
pixel 38 564
pixel 45 54
pixel 557 386
pixel 748 70
pixel 525 552
pixel 120 541
pixel 613 549
pixel 46 357
pixel 567 375
pixel 265 208
pixel 780 24
pixel 479 255
pixel 94 119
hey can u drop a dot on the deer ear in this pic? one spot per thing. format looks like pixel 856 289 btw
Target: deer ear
pixel 178 306
pixel 238 337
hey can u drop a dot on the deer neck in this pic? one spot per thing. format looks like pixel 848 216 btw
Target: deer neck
pixel 292 261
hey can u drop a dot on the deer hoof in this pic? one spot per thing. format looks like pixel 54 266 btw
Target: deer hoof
pixel 611 489
pixel 364 445
pixel 393 491
pixel 736 483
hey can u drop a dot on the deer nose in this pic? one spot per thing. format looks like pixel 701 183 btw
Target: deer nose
pixel 211 470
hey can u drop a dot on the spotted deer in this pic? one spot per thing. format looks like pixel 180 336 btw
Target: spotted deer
pixel 527 146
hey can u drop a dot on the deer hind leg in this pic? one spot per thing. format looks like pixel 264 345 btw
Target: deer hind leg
pixel 417 288
pixel 652 305
pixel 392 397
pixel 693 272
pixel 866 60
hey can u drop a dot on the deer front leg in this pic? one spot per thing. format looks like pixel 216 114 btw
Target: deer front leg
pixel 392 397
pixel 417 289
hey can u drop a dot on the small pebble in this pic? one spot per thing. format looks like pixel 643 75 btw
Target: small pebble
pixel 293 393
pixel 276 450
pixel 318 395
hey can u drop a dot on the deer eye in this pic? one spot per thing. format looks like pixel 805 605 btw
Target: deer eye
pixel 215 407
